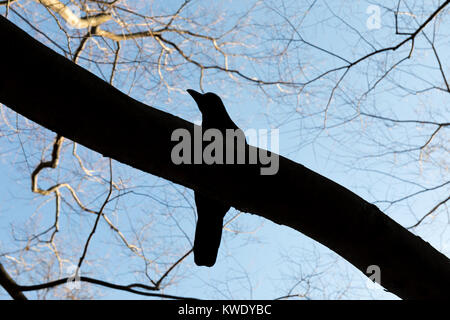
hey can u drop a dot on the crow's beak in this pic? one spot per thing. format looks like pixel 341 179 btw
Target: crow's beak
pixel 197 96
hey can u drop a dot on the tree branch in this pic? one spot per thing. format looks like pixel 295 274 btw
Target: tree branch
pixel 15 290
pixel 128 288
pixel 10 285
pixel 70 17
pixel 7 2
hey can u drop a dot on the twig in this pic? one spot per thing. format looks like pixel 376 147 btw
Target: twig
pixel 128 288
pixel 429 213
pixel 99 214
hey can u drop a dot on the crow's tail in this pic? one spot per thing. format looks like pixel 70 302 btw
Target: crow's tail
pixel 207 240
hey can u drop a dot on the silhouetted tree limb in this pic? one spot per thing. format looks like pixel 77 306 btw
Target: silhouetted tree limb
pixel 67 99
pixel 128 288
pixel 10 285
pixel 16 290
pixel 7 2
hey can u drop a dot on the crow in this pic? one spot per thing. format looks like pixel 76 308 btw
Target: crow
pixel 210 212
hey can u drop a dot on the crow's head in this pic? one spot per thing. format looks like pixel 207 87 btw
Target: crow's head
pixel 208 103
pixel 214 114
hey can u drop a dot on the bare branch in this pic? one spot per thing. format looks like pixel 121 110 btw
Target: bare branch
pixel 7 2
pixel 99 214
pixel 128 288
pixel 10 285
pixel 73 19
pixel 429 212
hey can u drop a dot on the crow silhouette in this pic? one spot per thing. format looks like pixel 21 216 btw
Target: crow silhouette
pixel 211 212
